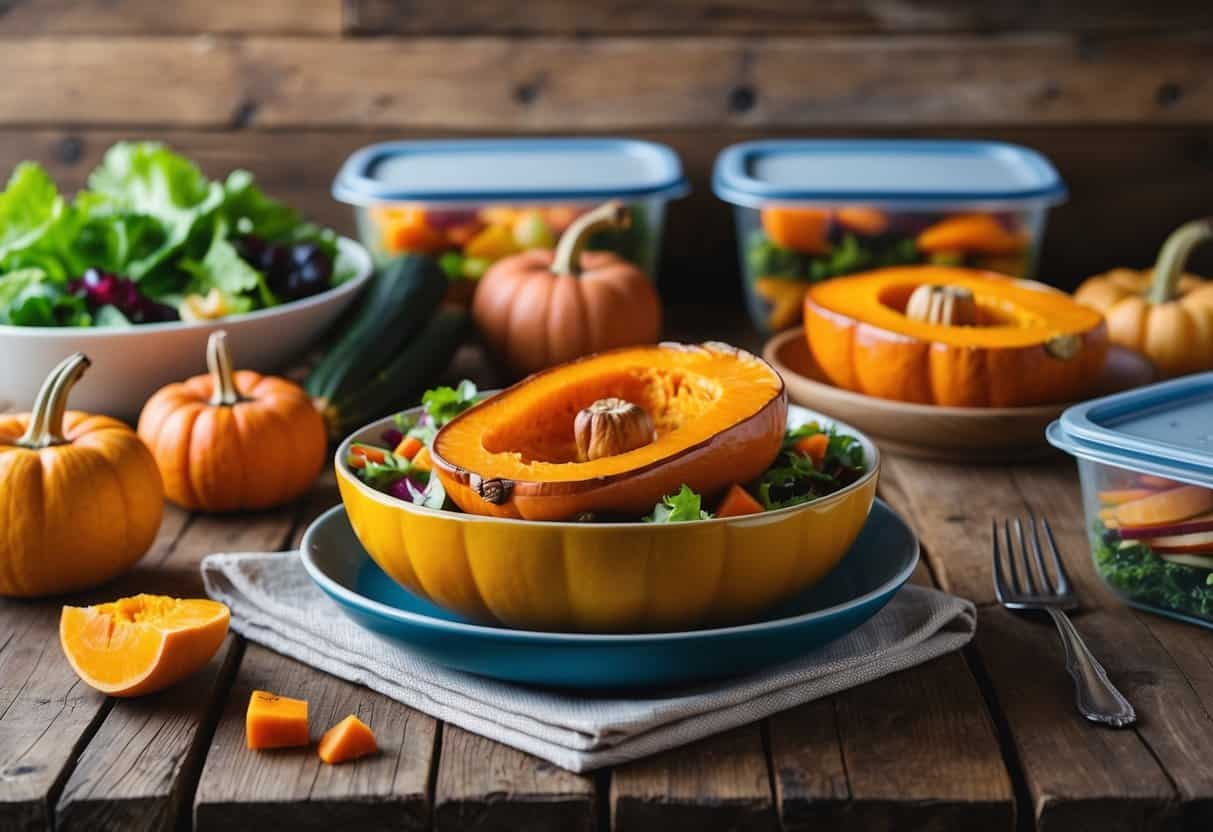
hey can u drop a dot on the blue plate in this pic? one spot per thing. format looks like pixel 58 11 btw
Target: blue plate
pixel 881 560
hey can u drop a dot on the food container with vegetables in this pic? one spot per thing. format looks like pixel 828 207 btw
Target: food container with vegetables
pixel 811 209
pixel 471 202
pixel 641 489
pixel 1145 459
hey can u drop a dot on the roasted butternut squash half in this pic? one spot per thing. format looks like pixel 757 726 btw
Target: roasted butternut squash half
pixel 956 337
pixel 614 432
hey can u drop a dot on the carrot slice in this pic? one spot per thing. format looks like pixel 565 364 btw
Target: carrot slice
pixel 863 218
pixel 408 447
pixel 800 229
pixel 274 721
pixel 980 233
pixel 349 739
pixel 737 502
pixel 359 455
pixel 814 447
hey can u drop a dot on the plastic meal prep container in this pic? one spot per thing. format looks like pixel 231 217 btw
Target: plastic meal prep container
pixel 1145 459
pixel 470 202
pixel 811 209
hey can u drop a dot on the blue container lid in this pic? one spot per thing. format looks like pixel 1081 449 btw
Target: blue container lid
pixel 882 171
pixel 1164 429
pixel 509 170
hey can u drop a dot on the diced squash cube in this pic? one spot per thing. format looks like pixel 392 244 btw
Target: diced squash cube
pixel 275 721
pixel 349 739
pixel 737 502
pixel 422 461
pixel 814 447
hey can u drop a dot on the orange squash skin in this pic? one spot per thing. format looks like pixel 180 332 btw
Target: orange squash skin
pixel 258 453
pixel 859 349
pixel 737 452
pixel 73 516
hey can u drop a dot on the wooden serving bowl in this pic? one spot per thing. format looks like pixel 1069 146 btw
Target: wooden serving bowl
pixel 964 434
pixel 607 577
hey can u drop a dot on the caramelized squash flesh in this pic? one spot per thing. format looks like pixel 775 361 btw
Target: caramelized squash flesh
pixel 717 412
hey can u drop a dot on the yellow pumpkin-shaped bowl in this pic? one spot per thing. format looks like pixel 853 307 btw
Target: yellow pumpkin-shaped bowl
pixel 607 577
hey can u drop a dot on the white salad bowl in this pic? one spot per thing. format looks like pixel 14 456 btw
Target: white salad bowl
pixel 129 364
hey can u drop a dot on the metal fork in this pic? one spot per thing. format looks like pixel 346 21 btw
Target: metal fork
pixel 1094 694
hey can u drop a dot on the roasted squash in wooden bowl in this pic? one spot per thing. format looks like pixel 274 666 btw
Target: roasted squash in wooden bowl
pixel 531 478
pixel 954 337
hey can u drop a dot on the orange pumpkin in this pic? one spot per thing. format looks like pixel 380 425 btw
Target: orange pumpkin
pixel 80 497
pixel 542 308
pixel 233 441
pixel 975 339
pixel 1163 313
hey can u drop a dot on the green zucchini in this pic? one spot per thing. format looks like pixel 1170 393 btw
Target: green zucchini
pixel 403 296
pixel 402 380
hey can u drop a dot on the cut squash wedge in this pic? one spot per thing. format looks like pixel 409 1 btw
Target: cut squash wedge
pixel 141 644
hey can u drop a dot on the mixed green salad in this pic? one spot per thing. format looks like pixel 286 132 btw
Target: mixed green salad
pixel 813 461
pixel 151 239
pixel 1134 570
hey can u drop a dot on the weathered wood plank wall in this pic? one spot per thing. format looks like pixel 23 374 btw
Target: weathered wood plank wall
pixel 1117 94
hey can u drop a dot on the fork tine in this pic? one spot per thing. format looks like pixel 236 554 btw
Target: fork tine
pixel 1028 579
pixel 1011 567
pixel 1063 579
pixel 1000 579
pixel 1046 583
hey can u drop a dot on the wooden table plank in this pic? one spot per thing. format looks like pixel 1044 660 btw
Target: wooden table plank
pixel 154 17
pixel 718 783
pixel 46 713
pixel 951 507
pixel 763 17
pixel 485 785
pixel 1073 770
pixel 504 83
pixel 1192 652
pixel 1078 775
pixel 913 750
pixel 387 791
pixel 240 788
pixel 137 771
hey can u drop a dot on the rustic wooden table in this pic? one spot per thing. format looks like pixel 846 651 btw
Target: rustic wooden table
pixel 985 738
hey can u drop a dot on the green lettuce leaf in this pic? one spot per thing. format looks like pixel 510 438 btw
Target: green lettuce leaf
pixel 678 508
pixel 29 207
pixel 29 298
pixel 147 178
pixel 224 269
pixel 443 404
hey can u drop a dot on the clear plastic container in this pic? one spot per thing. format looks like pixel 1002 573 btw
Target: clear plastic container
pixel 1145 459
pixel 811 209
pixel 470 202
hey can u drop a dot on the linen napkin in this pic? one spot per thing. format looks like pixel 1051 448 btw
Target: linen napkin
pixel 274 603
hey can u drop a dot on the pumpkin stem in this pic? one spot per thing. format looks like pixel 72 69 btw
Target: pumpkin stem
pixel 1174 254
pixel 46 422
pixel 613 214
pixel 219 362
